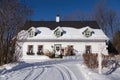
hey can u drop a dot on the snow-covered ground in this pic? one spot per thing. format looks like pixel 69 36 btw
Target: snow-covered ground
pixel 68 68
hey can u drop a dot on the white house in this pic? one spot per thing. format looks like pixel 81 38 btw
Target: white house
pixel 55 36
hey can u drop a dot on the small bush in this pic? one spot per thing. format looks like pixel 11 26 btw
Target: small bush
pixel 68 51
pixel 48 53
pixel 91 60
pixel 105 59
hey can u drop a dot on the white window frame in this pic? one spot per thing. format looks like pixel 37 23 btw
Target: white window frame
pixel 31 33
pixel 58 33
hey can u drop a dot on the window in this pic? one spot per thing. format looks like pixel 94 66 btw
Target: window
pixel 57 48
pixel 40 50
pixel 70 49
pixel 58 32
pixel 88 49
pixel 31 33
pixel 30 50
pixel 88 32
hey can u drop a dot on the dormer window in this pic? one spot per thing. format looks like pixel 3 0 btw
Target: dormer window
pixel 87 32
pixel 58 32
pixel 31 33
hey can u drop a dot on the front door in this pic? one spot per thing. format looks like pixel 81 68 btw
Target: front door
pixel 57 48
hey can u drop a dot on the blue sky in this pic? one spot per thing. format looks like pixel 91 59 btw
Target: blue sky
pixel 48 9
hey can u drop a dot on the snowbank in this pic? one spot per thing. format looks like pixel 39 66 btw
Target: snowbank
pixel 35 58
pixel 90 75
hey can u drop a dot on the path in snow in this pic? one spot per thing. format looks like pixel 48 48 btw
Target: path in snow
pixel 29 73
pixel 48 72
pixel 65 69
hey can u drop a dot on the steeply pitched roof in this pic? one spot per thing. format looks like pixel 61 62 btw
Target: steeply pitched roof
pixel 53 24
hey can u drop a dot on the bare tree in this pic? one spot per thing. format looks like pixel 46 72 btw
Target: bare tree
pixel 112 17
pixel 77 16
pixel 106 18
pixel 116 41
pixel 13 14
pixel 72 16
pixel 100 14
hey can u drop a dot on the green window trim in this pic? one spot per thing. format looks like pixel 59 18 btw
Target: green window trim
pixel 57 33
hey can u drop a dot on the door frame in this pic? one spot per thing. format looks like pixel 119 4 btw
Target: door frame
pixel 59 45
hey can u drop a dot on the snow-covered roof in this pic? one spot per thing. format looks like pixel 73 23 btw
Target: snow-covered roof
pixel 44 31
pixel 69 33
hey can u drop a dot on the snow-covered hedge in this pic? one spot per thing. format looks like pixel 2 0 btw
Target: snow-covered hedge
pixel 91 60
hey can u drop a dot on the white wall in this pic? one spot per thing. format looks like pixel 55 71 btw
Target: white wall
pixel 97 47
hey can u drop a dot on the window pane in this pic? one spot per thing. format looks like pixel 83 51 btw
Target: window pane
pixel 88 49
pixel 30 50
pixel 40 49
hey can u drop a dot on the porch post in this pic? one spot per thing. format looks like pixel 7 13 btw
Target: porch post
pixel 99 63
pixel 101 47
